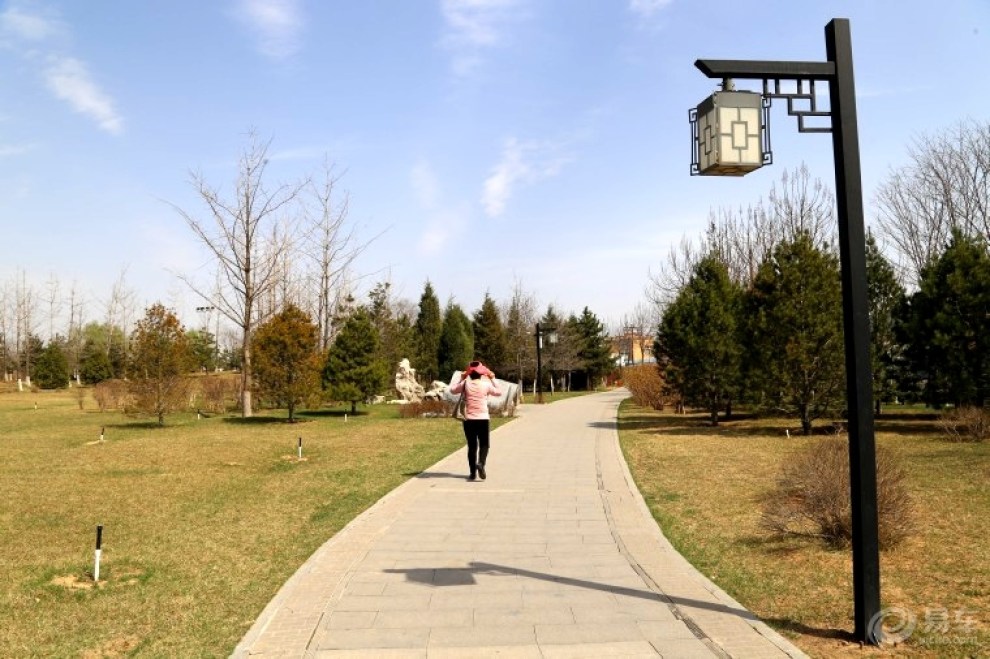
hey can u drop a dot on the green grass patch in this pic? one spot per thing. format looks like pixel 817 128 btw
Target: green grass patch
pixel 704 486
pixel 203 519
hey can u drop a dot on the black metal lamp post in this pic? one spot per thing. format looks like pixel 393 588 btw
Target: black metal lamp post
pixel 730 137
pixel 551 336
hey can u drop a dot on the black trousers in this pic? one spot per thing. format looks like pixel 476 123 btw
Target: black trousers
pixel 476 433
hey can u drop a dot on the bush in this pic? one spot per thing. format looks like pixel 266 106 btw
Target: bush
pixel 426 407
pixel 218 393
pixel 965 424
pixel 647 387
pixel 811 498
pixel 111 395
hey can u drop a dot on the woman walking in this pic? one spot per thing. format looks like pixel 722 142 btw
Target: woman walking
pixel 477 383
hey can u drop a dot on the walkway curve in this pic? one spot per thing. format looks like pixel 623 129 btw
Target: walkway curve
pixel 555 555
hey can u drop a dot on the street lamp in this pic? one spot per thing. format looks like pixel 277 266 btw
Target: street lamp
pixel 551 335
pixel 723 131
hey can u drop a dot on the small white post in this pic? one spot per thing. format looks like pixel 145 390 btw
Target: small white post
pixel 197 415
pixel 788 431
pixel 102 430
pixel 300 448
pixel 99 550
pixel 345 417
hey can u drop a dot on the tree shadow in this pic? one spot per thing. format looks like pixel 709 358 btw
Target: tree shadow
pixel 336 414
pixel 433 474
pixel 136 425
pixel 255 420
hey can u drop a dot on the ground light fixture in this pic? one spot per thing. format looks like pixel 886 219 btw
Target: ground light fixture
pixel 724 130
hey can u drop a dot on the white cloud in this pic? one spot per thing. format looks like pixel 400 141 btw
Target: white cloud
pixel 520 163
pixel 7 150
pixel 23 25
pixel 472 26
pixel 278 25
pixel 69 79
pixel 647 8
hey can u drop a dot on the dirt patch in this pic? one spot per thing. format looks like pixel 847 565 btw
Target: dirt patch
pixel 75 582
pixel 117 647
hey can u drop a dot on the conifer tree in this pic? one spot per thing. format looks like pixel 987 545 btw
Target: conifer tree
pixel 428 327
pixel 353 372
pixel 160 355
pixel 456 341
pixel 489 336
pixel 287 365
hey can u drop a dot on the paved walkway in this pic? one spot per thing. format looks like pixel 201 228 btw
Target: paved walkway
pixel 555 555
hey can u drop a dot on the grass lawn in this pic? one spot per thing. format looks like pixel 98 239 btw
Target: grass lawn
pixel 704 484
pixel 203 520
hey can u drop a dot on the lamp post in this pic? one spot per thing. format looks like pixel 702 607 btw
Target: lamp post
pixel 730 135
pixel 216 337
pixel 551 335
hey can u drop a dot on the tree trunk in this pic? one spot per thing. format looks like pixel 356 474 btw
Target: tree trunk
pixel 246 410
pixel 353 407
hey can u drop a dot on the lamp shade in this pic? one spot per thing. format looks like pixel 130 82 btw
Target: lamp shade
pixel 729 134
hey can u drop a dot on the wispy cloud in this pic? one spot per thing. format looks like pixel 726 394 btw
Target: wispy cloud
pixel 647 8
pixel 277 25
pixel 36 32
pixel 15 149
pixel 521 163
pixel 69 79
pixel 474 26
pixel 22 25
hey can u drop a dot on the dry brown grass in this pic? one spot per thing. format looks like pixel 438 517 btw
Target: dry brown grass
pixel 704 486
pixel 203 520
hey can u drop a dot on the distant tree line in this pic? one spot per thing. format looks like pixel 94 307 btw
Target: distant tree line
pixel 751 313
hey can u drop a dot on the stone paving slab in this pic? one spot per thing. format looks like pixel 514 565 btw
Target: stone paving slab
pixel 555 555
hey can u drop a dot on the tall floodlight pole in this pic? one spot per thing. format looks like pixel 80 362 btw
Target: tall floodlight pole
pixel 730 136
pixel 539 365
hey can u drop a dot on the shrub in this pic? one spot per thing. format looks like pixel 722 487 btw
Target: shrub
pixel 426 407
pixel 218 393
pixel 111 395
pixel 646 385
pixel 965 424
pixel 812 499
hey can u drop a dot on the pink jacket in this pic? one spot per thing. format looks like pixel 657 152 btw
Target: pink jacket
pixel 476 394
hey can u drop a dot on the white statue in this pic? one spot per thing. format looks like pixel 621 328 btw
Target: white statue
pixel 409 390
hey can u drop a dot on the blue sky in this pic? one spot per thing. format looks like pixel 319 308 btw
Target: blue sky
pixel 489 142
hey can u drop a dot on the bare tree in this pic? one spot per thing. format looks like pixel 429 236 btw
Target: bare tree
pixel 742 239
pixel 247 237
pixel 945 186
pixel 332 247
pixel 119 308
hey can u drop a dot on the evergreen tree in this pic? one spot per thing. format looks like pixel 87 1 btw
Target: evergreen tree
pixel 594 350
pixel 489 336
pixel 886 296
pixel 947 324
pixel 202 343
pixel 395 331
pixel 456 342
pixel 287 365
pixel 160 355
pixel 794 309
pixel 698 339
pixel 51 369
pixel 428 327
pixel 353 371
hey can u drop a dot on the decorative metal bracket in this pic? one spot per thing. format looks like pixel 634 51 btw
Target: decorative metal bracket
pixel 771 90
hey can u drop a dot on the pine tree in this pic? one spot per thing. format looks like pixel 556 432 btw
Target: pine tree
pixel 287 365
pixel 886 296
pixel 395 331
pixel 428 327
pixel 698 340
pixel 595 351
pixel 489 336
pixel 947 325
pixel 51 369
pixel 160 355
pixel 353 371
pixel 456 341
pixel 794 309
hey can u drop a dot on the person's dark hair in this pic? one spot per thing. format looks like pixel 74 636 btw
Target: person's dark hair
pixel 474 375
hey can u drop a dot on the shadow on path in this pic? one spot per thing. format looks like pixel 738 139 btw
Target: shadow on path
pixel 465 576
